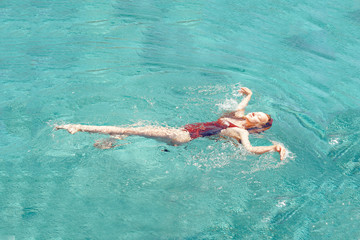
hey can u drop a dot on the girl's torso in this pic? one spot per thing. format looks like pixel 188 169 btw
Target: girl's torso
pixel 212 128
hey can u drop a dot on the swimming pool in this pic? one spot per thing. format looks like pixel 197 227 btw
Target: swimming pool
pixel 173 63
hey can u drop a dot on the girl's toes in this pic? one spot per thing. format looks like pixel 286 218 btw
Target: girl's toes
pixel 73 129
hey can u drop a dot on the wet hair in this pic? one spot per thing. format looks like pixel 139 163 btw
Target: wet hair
pixel 263 128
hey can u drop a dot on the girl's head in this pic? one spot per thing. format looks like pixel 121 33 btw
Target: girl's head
pixel 258 122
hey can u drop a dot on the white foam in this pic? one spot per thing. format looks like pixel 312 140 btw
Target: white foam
pixel 334 141
pixel 227 105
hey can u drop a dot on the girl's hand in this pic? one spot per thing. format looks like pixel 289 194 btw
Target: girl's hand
pixel 245 91
pixel 281 150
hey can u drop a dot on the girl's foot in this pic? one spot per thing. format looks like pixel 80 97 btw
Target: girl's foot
pixel 71 128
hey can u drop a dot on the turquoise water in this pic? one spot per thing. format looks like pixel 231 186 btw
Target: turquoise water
pixel 173 63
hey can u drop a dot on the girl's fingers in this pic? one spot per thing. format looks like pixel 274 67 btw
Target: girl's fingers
pixel 243 91
pixel 282 153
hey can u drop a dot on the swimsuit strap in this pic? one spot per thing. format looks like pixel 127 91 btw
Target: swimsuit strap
pixel 232 125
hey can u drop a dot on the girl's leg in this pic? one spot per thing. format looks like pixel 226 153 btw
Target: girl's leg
pixel 170 135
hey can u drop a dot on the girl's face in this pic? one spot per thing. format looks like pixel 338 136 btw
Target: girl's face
pixel 257 117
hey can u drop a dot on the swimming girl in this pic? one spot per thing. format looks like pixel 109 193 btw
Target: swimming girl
pixel 235 125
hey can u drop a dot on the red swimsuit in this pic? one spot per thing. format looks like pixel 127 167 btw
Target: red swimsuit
pixel 208 128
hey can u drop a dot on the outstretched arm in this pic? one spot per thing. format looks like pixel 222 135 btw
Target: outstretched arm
pixel 240 109
pixel 243 137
